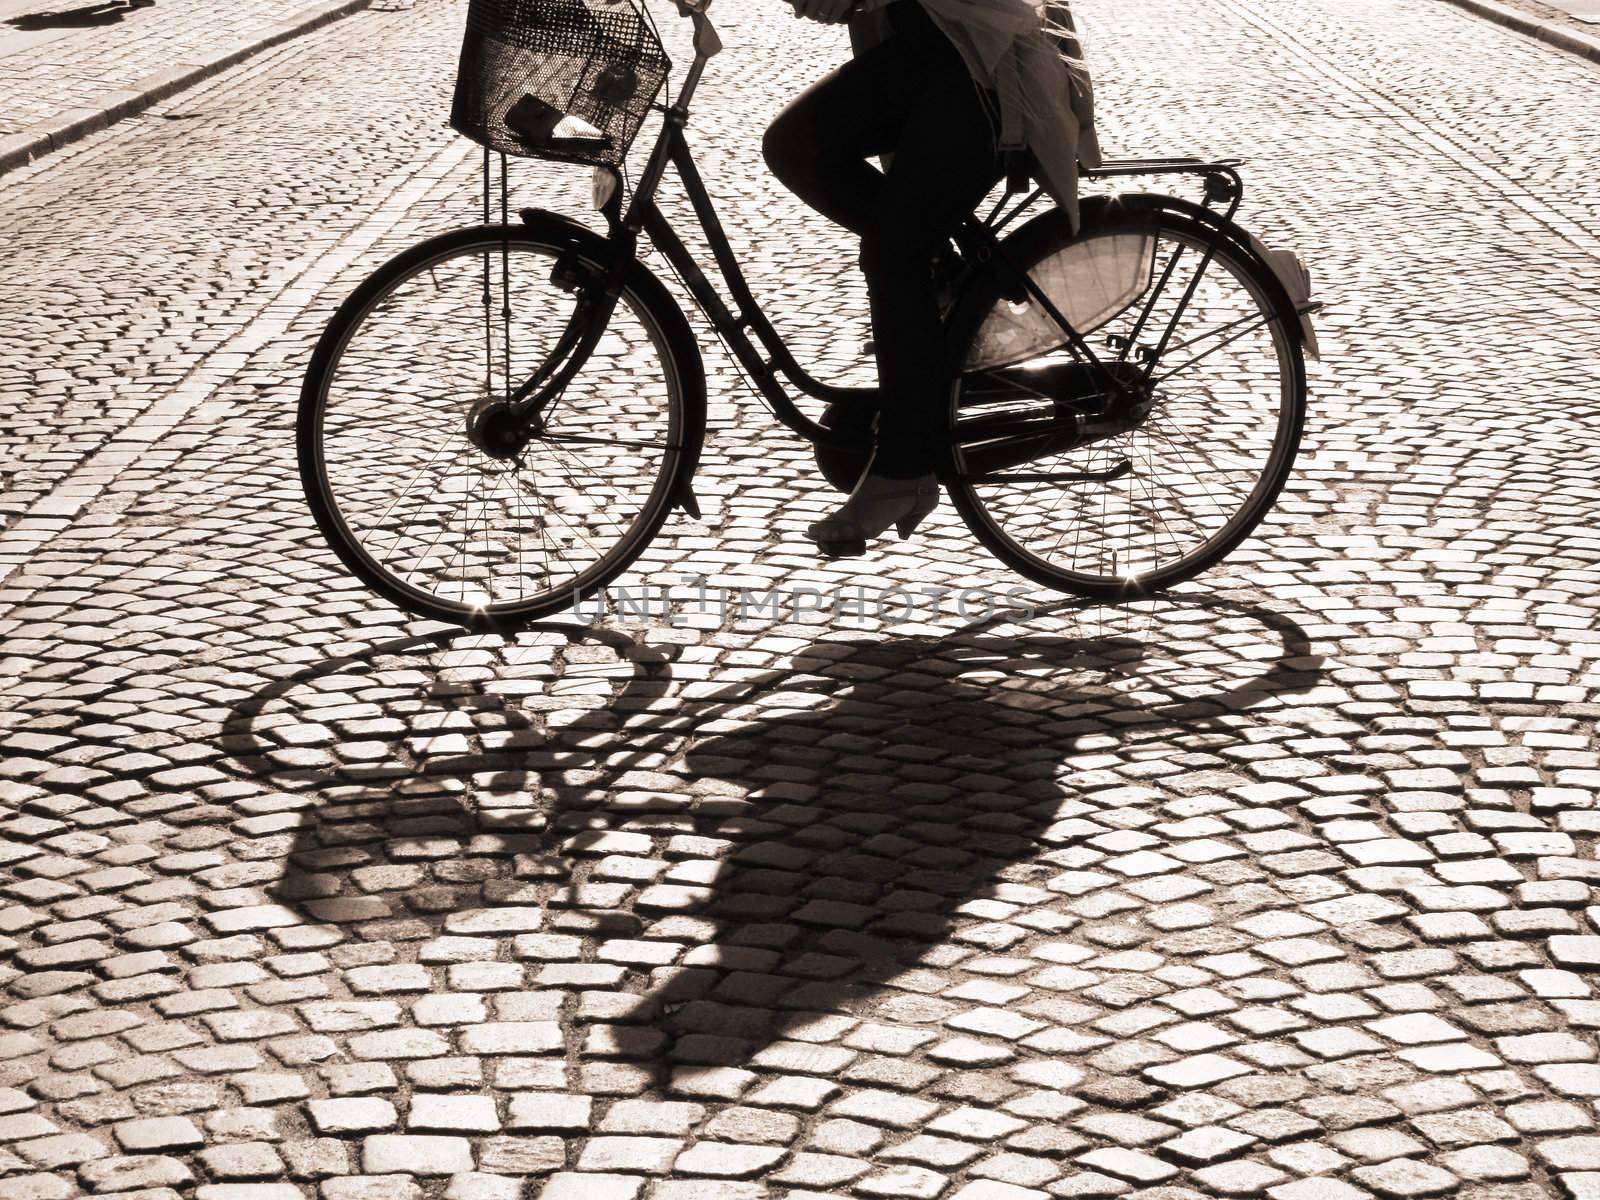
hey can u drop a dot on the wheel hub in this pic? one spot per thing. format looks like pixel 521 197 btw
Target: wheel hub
pixel 1125 411
pixel 494 427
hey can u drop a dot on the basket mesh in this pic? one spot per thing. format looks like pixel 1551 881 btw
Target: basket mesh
pixel 570 80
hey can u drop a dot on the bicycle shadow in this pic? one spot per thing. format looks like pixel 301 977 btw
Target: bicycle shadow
pixel 798 843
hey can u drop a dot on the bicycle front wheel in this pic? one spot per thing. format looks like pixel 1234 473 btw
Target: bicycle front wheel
pixel 493 536
pixel 1166 492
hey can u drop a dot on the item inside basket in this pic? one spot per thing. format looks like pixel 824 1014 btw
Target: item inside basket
pixel 544 125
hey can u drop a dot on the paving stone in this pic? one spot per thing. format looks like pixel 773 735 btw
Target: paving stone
pixel 247 1160
pixel 1489 1164
pixel 814 1170
pixel 884 1108
pixel 351 1115
pixel 935 1153
pixel 1464 1127
pixel 1317 1189
pixel 512 1037
pixel 480 1186
pixel 1547 1116
pixel 45 1187
pixel 134 1172
pixel 653 1117
pixel 728 1160
pixel 1545 1048
pixel 412 1154
pixel 1570 1153
pixel 160 1133
pixel 646 1155
pixel 1406 1177
pixel 592 1186
pixel 452 1114
pixel 1128 1164
pixel 1579 952
pixel 1207 1144
pixel 989 1189
pixel 531 1112
pixel 1241 1177
pixel 521 1156
pixel 1576 1079
pixel 913 1183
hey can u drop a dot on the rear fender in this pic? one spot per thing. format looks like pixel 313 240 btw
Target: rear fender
pixel 1290 283
pixel 1049 229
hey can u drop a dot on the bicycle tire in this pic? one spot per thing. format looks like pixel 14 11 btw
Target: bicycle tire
pixel 1129 574
pixel 337 472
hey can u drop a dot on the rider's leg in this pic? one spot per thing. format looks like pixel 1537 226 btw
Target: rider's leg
pixel 944 162
pixel 913 97
pixel 819 144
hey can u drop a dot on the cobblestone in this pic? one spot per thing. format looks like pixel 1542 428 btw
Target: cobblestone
pixel 1280 885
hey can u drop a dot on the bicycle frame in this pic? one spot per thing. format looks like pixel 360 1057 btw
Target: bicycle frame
pixel 977 239
pixel 643 215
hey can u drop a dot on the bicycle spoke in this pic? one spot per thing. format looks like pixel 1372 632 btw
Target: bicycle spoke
pixel 1197 460
pixel 429 552
pixel 1178 370
pixel 577 530
pixel 579 439
pixel 420 509
pixel 1199 473
pixel 1260 322
pixel 384 516
pixel 1156 507
pixel 578 488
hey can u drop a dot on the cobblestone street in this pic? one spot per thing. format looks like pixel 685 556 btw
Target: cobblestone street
pixel 1282 885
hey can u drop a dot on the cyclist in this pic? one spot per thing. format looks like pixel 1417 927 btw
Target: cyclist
pixel 938 88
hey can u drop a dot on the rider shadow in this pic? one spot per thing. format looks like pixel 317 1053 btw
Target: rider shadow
pixel 836 827
pixel 88 16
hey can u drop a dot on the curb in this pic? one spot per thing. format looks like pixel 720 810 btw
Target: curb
pixel 1550 32
pixel 18 149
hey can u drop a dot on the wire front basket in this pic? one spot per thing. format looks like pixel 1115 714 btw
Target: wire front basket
pixel 570 80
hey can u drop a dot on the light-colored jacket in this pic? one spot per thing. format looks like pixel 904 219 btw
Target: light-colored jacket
pixel 1027 54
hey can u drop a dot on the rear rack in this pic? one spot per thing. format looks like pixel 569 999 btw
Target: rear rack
pixel 1159 166
pixel 1222 183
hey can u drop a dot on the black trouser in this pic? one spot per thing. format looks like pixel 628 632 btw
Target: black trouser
pixel 911 97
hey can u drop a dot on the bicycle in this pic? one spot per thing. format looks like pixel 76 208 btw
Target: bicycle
pixel 486 465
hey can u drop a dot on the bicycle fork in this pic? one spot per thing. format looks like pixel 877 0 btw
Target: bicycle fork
pixel 503 425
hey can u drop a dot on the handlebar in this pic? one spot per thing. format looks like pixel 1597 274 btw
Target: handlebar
pixel 706 41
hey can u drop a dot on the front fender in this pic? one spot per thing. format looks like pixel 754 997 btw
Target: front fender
pixel 603 252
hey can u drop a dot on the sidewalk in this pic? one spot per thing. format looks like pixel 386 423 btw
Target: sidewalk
pixel 1570 25
pixel 70 67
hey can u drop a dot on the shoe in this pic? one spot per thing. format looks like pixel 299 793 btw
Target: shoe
pixel 876 503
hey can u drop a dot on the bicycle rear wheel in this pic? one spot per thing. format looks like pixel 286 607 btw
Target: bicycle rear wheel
pixel 430 518
pixel 1206 451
